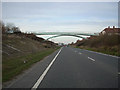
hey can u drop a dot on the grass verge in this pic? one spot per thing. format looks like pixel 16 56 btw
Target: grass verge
pixel 111 51
pixel 13 67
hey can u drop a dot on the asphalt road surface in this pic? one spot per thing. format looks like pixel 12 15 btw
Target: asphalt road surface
pixel 71 68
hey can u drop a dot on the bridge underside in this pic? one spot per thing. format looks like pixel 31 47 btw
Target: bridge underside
pixel 65 35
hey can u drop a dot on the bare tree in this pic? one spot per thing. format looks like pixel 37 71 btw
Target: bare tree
pixel 16 29
pixel 9 27
pixel 2 27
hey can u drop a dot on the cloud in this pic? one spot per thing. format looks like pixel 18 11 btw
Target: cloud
pixel 87 17
pixel 60 0
pixel 60 16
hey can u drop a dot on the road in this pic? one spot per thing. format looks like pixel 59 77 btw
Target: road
pixel 71 68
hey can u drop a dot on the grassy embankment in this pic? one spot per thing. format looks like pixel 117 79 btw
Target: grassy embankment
pixel 108 44
pixel 20 53
pixel 15 66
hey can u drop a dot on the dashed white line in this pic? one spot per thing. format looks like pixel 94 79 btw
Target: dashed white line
pixel 91 59
pixel 45 72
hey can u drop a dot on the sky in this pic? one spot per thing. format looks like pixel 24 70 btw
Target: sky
pixel 86 17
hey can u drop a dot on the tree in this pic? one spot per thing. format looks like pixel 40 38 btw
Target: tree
pixel 16 30
pixel 2 27
pixel 10 25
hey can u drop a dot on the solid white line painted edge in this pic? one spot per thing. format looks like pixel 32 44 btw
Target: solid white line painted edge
pixel 91 59
pixel 44 73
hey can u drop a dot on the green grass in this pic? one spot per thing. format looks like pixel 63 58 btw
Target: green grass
pixel 110 51
pixel 13 67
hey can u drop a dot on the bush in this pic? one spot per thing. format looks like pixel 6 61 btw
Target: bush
pixel 108 44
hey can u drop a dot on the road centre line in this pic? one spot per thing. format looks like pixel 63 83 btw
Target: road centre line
pixel 45 72
pixel 91 59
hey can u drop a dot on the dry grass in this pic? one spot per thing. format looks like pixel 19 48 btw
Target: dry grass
pixel 19 49
pixel 108 44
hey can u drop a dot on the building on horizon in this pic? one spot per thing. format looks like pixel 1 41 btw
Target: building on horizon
pixel 110 31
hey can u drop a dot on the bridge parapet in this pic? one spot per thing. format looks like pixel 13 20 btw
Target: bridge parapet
pixel 74 34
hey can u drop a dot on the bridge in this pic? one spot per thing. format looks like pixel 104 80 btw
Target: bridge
pixel 74 34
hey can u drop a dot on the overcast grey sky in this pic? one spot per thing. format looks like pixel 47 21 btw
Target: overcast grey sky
pixel 61 16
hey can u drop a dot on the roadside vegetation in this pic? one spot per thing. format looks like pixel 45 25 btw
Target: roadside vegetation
pixel 21 50
pixel 17 65
pixel 108 44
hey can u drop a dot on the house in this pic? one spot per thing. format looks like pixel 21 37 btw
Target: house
pixel 110 31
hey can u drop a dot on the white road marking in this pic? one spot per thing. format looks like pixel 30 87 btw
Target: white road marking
pixel 80 53
pixel 91 59
pixel 45 72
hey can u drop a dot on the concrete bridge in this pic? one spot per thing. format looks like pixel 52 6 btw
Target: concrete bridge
pixel 74 34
